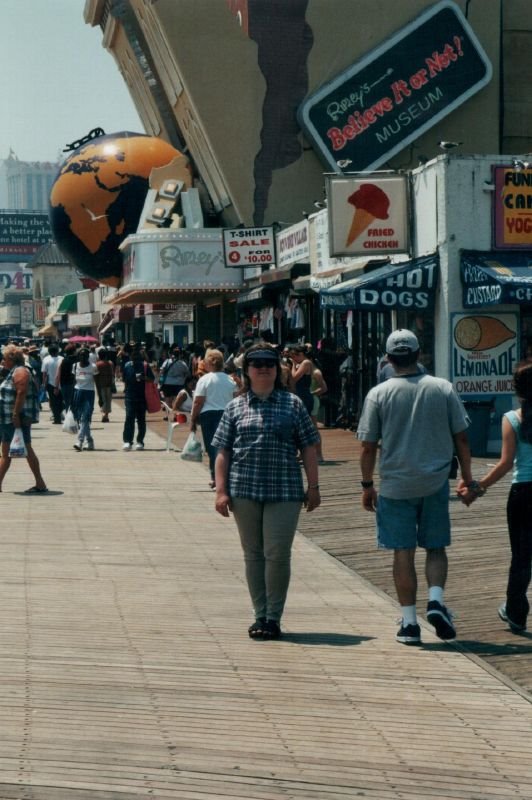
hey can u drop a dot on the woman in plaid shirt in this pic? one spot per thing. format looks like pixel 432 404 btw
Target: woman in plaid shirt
pixel 259 479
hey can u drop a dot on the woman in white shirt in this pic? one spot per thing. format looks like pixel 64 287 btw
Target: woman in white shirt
pixel 213 392
pixel 183 402
pixel 83 400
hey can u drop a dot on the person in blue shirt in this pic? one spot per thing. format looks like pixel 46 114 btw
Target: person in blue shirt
pixel 517 453
pixel 259 479
pixel 135 374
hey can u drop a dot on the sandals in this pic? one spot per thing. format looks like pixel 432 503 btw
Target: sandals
pixel 36 490
pixel 272 630
pixel 264 629
pixel 256 631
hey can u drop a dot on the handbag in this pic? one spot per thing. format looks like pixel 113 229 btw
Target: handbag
pixel 153 400
pixel 192 450
pixel 70 425
pixel 17 448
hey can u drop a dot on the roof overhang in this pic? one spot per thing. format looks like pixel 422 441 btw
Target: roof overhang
pixel 406 285
pixel 492 278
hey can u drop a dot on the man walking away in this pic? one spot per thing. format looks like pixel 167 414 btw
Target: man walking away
pixel 419 420
pixel 50 367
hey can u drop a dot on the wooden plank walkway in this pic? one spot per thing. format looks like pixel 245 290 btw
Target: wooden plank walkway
pixel 126 671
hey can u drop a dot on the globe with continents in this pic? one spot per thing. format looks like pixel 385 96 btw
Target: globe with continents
pixel 97 199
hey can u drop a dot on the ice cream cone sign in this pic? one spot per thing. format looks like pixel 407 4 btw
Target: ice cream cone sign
pixel 370 202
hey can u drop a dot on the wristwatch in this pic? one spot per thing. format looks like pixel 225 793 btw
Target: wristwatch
pixel 366 484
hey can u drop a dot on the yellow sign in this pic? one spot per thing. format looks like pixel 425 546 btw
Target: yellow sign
pixel 513 207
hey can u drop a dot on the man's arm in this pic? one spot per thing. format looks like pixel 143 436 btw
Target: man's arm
pixel 368 459
pixel 463 453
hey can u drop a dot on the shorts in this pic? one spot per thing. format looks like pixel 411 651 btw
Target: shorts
pixel 7 431
pixel 170 389
pixel 417 521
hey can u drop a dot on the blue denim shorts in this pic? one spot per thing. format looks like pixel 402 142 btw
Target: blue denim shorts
pixel 7 431
pixel 418 521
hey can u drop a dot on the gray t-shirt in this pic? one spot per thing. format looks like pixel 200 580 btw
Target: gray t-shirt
pixel 415 418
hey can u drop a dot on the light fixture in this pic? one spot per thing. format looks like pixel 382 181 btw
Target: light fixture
pixel 158 214
pixel 171 189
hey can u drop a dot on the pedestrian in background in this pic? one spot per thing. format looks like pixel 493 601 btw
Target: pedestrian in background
pixel 50 368
pixel 83 399
pixel 105 378
pixel 19 408
pixel 135 374
pixel 213 392
pixel 419 420
pixel 65 379
pixel 517 453
pixel 301 375
pixel 173 373
pixel 259 479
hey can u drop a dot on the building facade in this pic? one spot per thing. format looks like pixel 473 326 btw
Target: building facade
pixel 26 185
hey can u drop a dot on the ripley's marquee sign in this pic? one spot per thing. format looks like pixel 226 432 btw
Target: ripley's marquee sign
pixel 378 106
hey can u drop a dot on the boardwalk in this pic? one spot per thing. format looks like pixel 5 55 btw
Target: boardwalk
pixel 126 672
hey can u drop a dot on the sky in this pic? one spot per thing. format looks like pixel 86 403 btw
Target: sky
pixel 57 81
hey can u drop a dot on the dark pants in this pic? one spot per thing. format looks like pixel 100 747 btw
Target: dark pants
pixel 519 515
pixel 135 412
pixel 67 392
pixel 209 422
pixel 55 401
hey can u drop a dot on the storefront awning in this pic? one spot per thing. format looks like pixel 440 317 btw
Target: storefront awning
pixel 279 278
pixel 248 298
pixel 68 305
pixel 490 279
pixel 408 285
pixel 49 331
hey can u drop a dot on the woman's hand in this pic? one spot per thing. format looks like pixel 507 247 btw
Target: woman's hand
pixel 223 504
pixel 312 499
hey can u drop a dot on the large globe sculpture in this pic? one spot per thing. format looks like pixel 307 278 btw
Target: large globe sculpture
pixel 98 196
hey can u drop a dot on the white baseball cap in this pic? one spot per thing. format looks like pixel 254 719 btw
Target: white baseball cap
pixel 402 341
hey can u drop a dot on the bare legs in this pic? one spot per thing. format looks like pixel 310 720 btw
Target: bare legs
pixel 404 572
pixel 33 462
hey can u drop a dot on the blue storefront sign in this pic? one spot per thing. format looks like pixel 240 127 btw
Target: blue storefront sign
pixel 410 285
pixel 492 279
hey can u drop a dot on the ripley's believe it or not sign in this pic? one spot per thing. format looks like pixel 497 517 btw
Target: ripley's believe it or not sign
pixel 388 99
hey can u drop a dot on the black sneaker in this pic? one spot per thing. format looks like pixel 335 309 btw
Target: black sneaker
pixel 441 619
pixel 514 626
pixel 409 634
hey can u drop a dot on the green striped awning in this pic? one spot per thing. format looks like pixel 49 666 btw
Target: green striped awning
pixel 69 304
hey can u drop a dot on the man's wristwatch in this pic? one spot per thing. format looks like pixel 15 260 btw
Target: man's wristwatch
pixel 366 484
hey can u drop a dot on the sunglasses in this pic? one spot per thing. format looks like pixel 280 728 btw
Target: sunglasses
pixel 258 363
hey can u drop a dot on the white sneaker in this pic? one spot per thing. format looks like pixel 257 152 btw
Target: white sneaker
pixel 139 446
pixel 127 446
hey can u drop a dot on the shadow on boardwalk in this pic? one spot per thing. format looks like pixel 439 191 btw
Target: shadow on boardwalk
pixel 478 557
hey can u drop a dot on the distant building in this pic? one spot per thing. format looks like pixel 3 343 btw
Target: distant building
pixel 26 185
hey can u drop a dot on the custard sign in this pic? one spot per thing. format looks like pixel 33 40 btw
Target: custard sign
pixel 398 91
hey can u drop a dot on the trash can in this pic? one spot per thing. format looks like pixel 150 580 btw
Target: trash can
pixel 479 412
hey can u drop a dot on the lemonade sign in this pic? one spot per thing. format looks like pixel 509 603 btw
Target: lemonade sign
pixel 484 353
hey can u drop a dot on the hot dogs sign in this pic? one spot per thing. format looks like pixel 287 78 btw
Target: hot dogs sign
pixel 367 215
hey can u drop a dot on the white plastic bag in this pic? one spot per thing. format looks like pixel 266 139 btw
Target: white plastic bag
pixel 70 425
pixel 192 450
pixel 17 448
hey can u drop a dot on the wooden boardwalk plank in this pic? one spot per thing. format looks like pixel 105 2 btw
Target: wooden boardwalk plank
pixel 126 671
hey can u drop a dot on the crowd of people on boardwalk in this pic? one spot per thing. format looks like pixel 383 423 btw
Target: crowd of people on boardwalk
pixel 258 410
